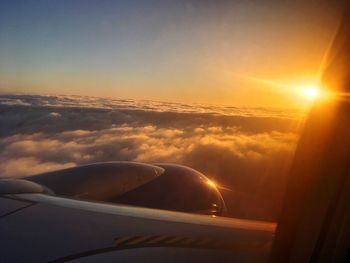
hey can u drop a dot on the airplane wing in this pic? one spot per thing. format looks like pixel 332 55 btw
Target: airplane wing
pixel 38 226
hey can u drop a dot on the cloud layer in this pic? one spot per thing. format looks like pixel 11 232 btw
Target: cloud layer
pixel 246 154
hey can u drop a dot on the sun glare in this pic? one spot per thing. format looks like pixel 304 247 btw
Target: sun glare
pixel 311 92
pixel 211 183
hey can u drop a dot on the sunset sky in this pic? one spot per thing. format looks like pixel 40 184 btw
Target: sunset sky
pixel 244 53
pixel 219 86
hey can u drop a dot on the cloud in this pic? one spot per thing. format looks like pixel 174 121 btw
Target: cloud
pixel 248 155
pixel 41 114
pixel 12 102
pixel 70 101
pixel 20 166
pixel 54 115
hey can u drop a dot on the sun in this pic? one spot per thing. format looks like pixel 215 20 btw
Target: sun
pixel 311 92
